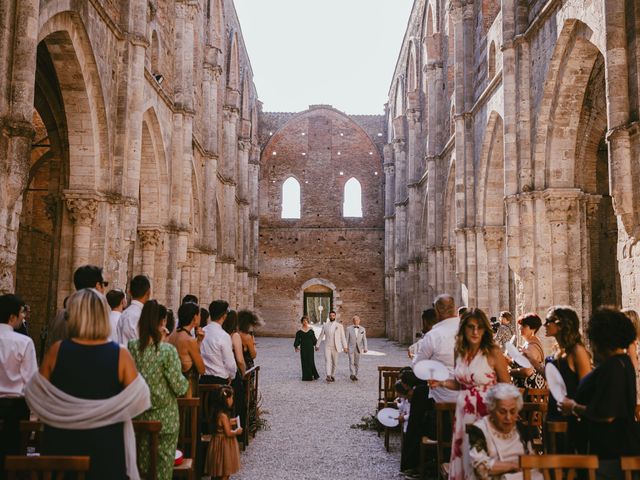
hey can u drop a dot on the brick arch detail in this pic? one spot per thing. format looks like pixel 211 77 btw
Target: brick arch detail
pixel 82 94
pixel 337 301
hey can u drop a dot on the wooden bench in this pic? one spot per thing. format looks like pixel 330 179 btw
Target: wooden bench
pixel 630 466
pixel 149 429
pixel 188 437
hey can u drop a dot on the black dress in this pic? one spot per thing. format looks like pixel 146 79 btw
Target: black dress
pixel 306 341
pixel 609 391
pixel 566 443
pixel 90 372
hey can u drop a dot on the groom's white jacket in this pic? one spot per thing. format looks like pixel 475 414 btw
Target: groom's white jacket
pixel 339 341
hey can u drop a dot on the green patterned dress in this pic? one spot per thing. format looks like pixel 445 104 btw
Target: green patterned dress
pixel 162 371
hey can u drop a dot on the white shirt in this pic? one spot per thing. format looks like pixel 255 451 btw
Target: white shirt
pixel 128 323
pixel 17 361
pixel 217 352
pixel 114 318
pixel 439 344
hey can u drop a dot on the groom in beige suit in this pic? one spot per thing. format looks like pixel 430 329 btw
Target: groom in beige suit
pixel 357 344
pixel 333 333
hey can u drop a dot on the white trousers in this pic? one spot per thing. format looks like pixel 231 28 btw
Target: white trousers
pixel 331 361
pixel 354 362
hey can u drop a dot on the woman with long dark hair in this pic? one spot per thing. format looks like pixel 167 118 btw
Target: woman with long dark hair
pixel 159 364
pixel 187 346
pixel 304 343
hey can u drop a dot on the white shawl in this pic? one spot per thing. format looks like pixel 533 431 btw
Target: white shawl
pixel 58 409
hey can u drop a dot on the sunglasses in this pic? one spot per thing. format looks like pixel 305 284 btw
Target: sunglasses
pixel 550 321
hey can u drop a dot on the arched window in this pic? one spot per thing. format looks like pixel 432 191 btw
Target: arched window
pixel 492 60
pixel 352 206
pixel 290 198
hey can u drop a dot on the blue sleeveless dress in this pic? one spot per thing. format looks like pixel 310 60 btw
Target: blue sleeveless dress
pixel 90 372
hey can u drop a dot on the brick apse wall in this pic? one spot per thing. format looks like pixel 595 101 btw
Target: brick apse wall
pixel 322 149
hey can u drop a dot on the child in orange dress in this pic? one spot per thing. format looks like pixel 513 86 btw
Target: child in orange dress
pixel 223 457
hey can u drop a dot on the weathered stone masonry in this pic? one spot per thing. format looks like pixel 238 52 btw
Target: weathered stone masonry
pixel 512 158
pixel 129 140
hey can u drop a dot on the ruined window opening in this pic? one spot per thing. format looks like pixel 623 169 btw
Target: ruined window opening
pixel 352 206
pixel 291 198
pixel 492 60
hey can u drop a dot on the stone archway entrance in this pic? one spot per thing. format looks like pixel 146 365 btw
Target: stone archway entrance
pixel 318 302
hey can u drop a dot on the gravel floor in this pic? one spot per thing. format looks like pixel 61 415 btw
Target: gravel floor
pixel 310 436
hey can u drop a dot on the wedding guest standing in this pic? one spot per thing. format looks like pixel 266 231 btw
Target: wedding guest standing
pixel 230 325
pixel 89 368
pixel 572 361
pixel 634 347
pixel 531 377
pixel 17 366
pixel 187 346
pixel 159 364
pixel 216 348
pixel 606 397
pixel 117 302
pixel 305 344
pixel 140 290
pixel 247 322
pixel 480 364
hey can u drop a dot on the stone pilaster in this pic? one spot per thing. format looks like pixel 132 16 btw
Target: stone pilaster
pixel 494 242
pixel 82 210
pixel 149 240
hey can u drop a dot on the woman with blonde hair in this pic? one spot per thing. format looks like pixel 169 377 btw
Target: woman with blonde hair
pixel 87 392
pixel 480 364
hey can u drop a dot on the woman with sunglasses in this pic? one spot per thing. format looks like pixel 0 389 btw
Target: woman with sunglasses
pixel 479 365
pixel 572 361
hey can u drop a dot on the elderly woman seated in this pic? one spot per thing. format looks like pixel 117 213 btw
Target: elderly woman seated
pixel 494 443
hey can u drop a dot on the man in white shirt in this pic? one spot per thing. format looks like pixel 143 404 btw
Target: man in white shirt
pixel 216 348
pixel 17 365
pixel 117 301
pixel 333 332
pixel 140 291
pixel 439 344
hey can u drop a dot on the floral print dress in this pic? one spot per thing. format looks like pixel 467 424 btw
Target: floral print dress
pixel 475 379
pixel 162 370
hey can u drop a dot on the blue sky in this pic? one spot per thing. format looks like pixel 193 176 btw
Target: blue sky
pixel 337 52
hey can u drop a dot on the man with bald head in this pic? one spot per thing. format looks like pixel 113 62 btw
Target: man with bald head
pixel 439 343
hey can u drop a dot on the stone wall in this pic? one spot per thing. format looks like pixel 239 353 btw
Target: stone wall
pixel 507 120
pixel 321 148
pixel 130 142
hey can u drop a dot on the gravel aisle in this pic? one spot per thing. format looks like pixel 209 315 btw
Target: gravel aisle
pixel 310 436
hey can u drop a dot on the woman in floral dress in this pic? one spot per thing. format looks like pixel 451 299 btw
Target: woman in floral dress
pixel 479 365
pixel 159 364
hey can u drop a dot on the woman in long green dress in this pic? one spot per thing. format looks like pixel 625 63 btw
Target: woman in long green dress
pixel 305 343
pixel 159 364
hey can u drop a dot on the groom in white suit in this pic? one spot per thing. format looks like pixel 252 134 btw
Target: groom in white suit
pixel 333 333
pixel 357 344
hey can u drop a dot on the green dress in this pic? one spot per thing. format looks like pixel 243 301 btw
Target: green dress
pixel 160 366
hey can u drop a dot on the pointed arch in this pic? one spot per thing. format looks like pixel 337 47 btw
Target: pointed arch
pixel 233 71
pixel 399 107
pixel 412 69
pixel 491 61
pixel 449 206
pixel 290 198
pixel 352 203
pixel 83 98
pixel 490 196
pixel 154 179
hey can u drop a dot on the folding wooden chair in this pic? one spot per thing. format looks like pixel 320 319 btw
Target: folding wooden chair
pixel 532 417
pixel 151 430
pixel 552 430
pixel 188 437
pixel 389 379
pixel 536 395
pixel 46 467
pixel 557 466
pixel 381 384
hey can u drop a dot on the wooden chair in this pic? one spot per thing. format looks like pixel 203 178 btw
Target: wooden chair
pixel 150 429
pixel 188 437
pixel 557 464
pixel 444 433
pixel 552 430
pixel 31 434
pixel 381 384
pixel 46 467
pixel 536 395
pixel 426 444
pixel 250 381
pixel 389 379
pixel 532 417
pixel 630 465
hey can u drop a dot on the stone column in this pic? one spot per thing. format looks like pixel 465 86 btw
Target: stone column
pixel 82 211
pixel 210 87
pixel 149 241
pixel 17 80
pixel 561 209
pixel 493 241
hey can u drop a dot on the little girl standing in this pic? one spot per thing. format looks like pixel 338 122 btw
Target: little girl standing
pixel 223 458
